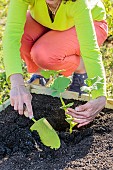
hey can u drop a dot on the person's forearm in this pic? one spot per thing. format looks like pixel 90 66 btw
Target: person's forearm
pixel 12 36
pixel 16 80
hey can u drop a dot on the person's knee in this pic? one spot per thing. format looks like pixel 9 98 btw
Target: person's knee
pixel 40 55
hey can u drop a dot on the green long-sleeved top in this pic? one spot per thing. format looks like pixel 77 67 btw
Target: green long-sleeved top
pixel 79 14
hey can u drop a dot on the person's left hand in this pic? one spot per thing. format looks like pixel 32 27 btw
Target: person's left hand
pixel 84 114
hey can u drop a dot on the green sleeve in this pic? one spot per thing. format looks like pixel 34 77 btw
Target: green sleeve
pixel 12 35
pixel 89 48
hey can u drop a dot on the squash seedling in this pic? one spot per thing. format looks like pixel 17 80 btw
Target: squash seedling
pixel 51 75
pixel 47 134
pixel 58 86
pixel 93 84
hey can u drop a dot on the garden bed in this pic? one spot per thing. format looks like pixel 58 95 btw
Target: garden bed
pixel 87 148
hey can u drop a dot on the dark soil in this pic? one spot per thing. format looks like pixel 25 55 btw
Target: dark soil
pixel 87 148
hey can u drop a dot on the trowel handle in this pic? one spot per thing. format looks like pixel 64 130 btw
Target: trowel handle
pixel 33 119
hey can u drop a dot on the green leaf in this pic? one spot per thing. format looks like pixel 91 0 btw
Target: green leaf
pixel 55 93
pixel 70 119
pixel 47 134
pixel 86 89
pixel 67 106
pixel 99 85
pixel 94 85
pixel 48 73
pixel 91 81
pixel 60 84
pixel 2 76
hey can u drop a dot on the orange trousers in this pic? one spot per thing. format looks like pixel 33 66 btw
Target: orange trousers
pixel 42 48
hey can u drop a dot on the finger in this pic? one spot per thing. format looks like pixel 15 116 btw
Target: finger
pixel 80 121
pixel 20 107
pixel 83 121
pixel 74 112
pixel 16 105
pixel 81 115
pixel 74 115
pixel 83 107
pixel 27 97
pixel 70 110
pixel 83 124
pixel 12 102
pixel 29 108
pixel 20 112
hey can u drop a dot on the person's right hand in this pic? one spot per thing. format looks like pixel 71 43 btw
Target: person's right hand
pixel 20 96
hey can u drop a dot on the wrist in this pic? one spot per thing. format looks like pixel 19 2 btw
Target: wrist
pixel 16 80
pixel 17 86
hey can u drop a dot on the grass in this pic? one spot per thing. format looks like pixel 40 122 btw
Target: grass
pixel 106 49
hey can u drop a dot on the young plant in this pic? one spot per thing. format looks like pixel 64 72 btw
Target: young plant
pixel 51 75
pixel 93 84
pixel 58 86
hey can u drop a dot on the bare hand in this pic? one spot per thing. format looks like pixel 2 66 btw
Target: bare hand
pixel 20 95
pixel 84 114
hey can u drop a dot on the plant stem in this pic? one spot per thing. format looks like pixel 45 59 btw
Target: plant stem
pixel 68 117
pixel 89 95
pixel 63 104
pixel 33 120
